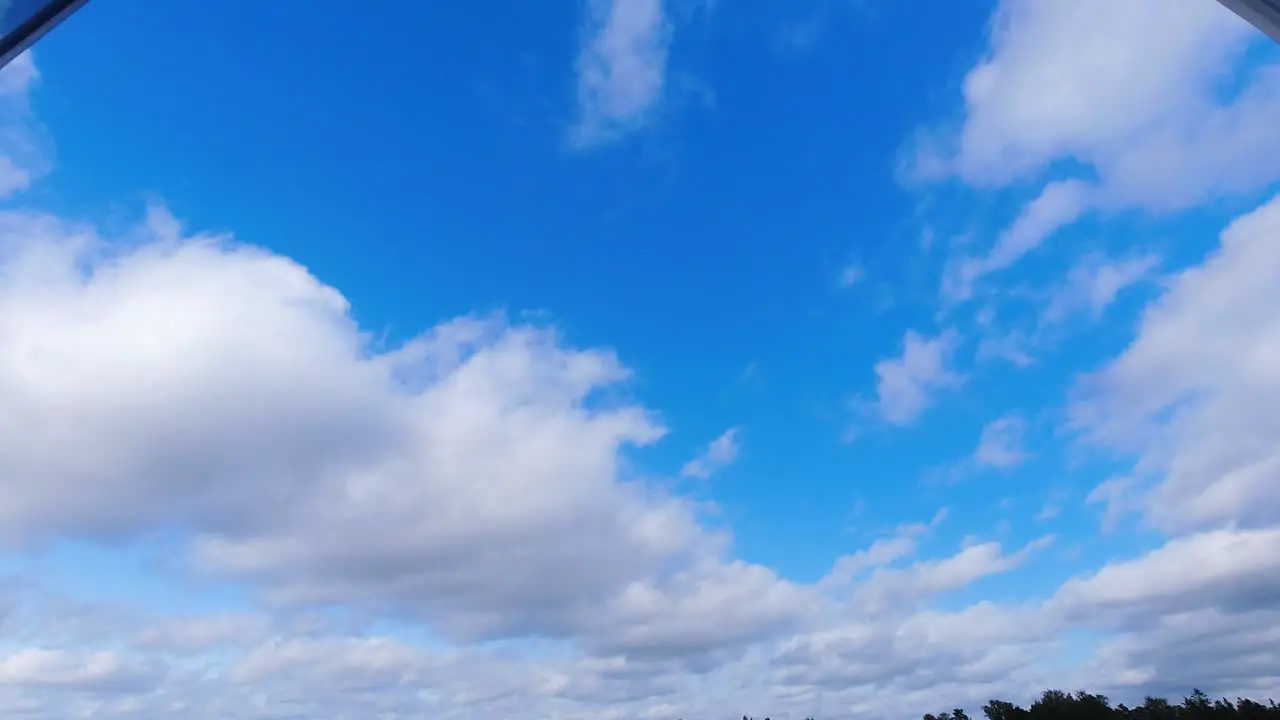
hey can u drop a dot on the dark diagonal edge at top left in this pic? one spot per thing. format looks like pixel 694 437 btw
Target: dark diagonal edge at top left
pixel 25 21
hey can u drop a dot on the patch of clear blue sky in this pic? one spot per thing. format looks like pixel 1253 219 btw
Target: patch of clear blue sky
pixel 413 156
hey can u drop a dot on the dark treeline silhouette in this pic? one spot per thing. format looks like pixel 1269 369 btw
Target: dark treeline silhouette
pixel 1058 705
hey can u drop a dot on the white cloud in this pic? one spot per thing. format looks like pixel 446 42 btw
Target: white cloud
pixel 1013 347
pixel 1095 282
pixel 719 453
pixel 1000 445
pixel 1143 107
pixel 1163 113
pixel 1197 392
pixel 198 383
pixel 18 76
pixel 622 68
pixel 881 552
pixel 471 482
pixel 101 671
pixel 897 545
pixel 22 157
pixel 854 669
pixel 905 384
pixel 1234 651
pixel 1194 400
pixel 341 664
pixel 883 651
pixel 852 274
pixel 202 633
pixel 706 609
pixel 1091 286
pixel 1229 570
pixel 903 589
pixel 1058 205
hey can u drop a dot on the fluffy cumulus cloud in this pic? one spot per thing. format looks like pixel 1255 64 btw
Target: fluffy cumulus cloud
pixel 469 480
pixel 470 476
pixel 1146 119
pixel 1144 107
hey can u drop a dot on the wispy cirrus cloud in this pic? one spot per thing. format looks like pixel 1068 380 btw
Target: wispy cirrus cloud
pixel 1094 283
pixel 851 274
pixel 622 68
pixel 1001 443
pixel 23 158
pixel 1059 204
pixel 718 454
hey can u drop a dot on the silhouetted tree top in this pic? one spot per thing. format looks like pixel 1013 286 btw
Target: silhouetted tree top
pixel 1059 705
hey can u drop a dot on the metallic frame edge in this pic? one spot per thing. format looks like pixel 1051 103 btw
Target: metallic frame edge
pixel 1262 14
pixel 25 35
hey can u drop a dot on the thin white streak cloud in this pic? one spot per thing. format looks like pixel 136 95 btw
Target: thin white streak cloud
pixel 718 454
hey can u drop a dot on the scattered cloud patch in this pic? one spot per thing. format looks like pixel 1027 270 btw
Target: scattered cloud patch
pixel 905 385
pixel 1013 347
pixel 1118 497
pixel 720 453
pixel 1095 282
pixel 801 35
pixel 852 274
pixel 1001 443
pixel 622 68
pixel 1058 205
pixel 906 588
pixel 902 542
pixel 23 155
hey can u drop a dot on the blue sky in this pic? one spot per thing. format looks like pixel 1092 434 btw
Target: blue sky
pixel 645 358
